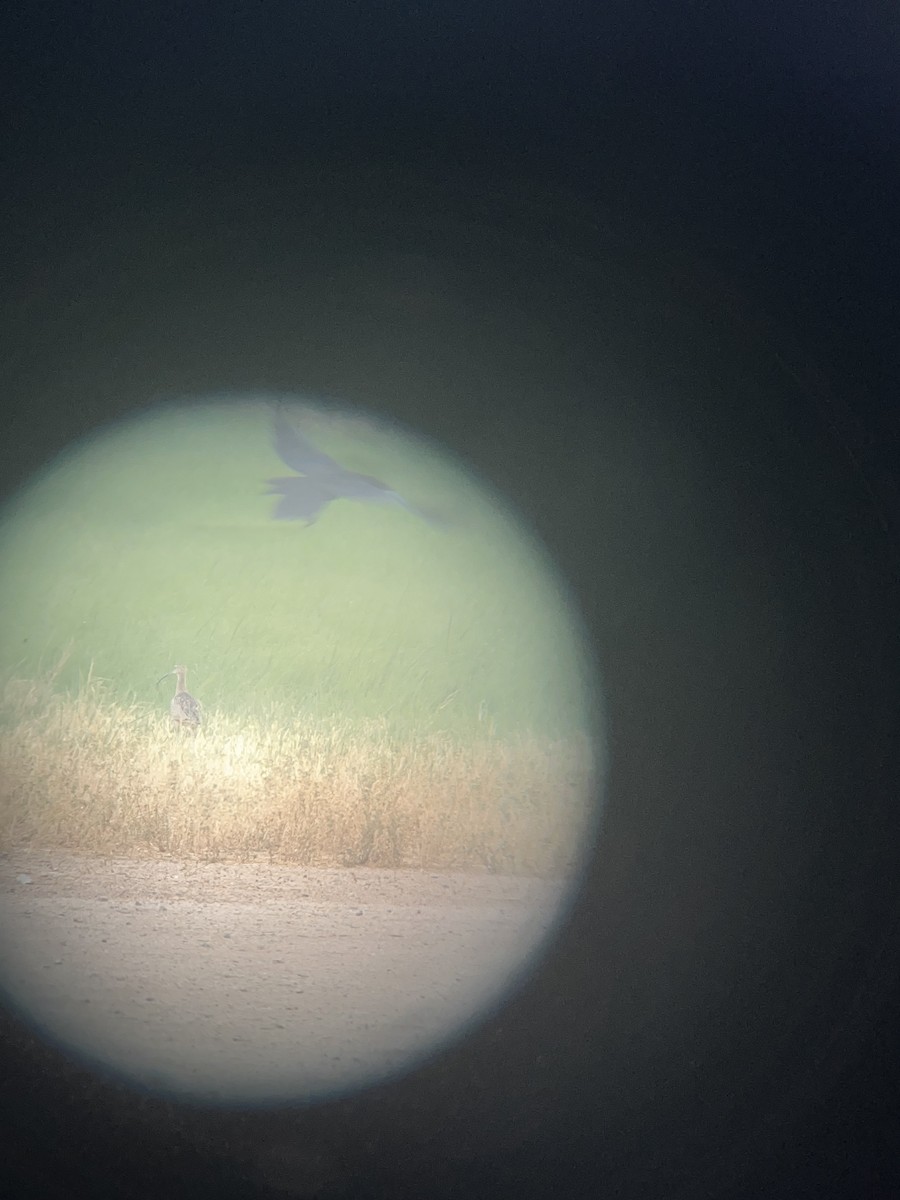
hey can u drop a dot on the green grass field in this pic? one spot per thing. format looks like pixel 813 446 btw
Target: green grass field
pixel 154 544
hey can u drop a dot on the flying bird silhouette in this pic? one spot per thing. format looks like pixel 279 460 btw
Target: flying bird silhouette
pixel 320 480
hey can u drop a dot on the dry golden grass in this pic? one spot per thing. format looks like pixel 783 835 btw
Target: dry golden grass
pixel 88 774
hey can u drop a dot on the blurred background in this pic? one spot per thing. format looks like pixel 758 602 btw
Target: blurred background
pixel 636 271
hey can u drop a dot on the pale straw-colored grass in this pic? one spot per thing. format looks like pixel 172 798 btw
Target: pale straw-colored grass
pixel 86 773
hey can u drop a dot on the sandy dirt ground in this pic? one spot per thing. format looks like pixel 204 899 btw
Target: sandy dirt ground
pixel 253 981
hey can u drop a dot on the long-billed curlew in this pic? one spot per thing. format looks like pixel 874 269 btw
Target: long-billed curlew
pixel 320 480
pixel 184 709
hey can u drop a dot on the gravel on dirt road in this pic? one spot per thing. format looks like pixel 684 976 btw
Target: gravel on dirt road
pixel 252 981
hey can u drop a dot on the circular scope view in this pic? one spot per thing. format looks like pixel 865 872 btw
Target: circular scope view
pixel 296 769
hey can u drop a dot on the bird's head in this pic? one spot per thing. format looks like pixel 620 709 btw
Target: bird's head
pixel 177 671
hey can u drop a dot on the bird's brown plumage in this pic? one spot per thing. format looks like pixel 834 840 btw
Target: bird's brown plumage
pixel 183 709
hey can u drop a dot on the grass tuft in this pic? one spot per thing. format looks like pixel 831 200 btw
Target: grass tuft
pixel 84 772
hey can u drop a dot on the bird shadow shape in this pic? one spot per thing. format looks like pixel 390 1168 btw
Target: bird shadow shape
pixel 320 480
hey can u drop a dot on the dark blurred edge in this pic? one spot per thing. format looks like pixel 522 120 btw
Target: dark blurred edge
pixel 737 931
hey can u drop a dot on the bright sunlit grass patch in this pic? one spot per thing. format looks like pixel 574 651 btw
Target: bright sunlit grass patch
pixel 84 772
pixel 155 544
